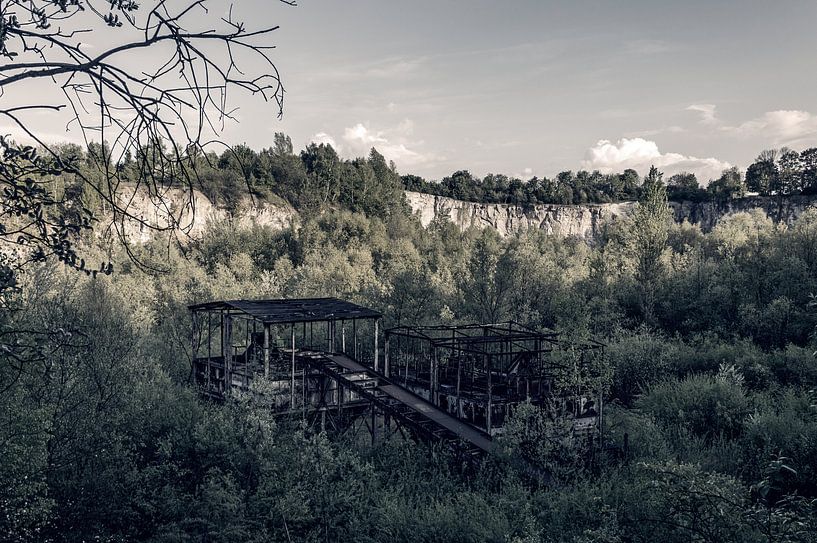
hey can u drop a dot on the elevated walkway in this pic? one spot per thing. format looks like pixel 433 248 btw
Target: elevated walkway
pixel 422 418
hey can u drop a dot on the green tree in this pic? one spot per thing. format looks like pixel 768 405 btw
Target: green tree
pixel 763 176
pixel 322 166
pixel 728 186
pixel 808 159
pixel 790 168
pixel 684 186
pixel 649 239
pixel 486 284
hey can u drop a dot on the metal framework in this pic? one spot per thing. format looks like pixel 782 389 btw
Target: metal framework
pixel 236 340
pixel 479 372
pixel 321 360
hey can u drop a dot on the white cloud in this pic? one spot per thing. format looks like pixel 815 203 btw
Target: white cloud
pixel 779 127
pixel 393 144
pixel 707 112
pixel 360 138
pixel 324 138
pixel 640 154
pixel 524 175
pixel 783 127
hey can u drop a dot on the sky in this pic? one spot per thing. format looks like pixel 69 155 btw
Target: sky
pixel 534 87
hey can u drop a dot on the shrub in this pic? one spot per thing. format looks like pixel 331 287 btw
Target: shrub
pixel 639 360
pixel 706 406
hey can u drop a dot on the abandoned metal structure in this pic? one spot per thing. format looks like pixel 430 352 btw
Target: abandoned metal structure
pixel 321 359
pixel 480 372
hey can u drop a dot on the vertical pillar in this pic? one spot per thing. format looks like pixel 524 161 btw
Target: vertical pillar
pixel 433 377
pixel 227 351
pixel 490 403
pixel 374 424
pixel 247 367
pixel 292 374
pixel 488 367
pixel 304 390
pixel 266 351
pixel 354 337
pixel 600 417
pixel 376 354
pixel 221 338
pixel 386 356
pixel 209 346
pixel 343 336
pixel 459 380
pixel 194 346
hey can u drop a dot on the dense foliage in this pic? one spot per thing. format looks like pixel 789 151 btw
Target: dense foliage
pixel 710 352
pixel 317 177
pixel 784 172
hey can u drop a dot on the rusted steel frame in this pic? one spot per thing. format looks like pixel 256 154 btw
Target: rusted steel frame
pixel 292 375
pixel 420 431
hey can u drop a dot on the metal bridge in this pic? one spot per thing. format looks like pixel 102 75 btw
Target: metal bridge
pixel 425 420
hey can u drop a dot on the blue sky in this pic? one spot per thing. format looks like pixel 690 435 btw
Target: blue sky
pixel 528 87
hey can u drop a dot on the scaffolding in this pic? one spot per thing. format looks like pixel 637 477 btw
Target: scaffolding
pixel 321 359
pixel 480 372
pixel 237 340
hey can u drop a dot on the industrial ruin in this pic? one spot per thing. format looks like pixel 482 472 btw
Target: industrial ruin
pixel 322 359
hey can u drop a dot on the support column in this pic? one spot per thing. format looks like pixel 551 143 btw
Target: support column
pixel 490 398
pixel 354 337
pixel 194 345
pixel 600 417
pixel 376 354
pixel 266 351
pixel 386 356
pixel 343 336
pixel 304 391
pixel 459 380
pixel 374 425
pixel 292 375
pixel 227 351
pixel 488 363
pixel 433 377
pixel 247 367
pixel 209 347
pixel 330 342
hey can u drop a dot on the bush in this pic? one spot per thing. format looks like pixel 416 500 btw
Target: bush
pixel 784 425
pixel 705 406
pixel 640 360
pixel 794 366
pixel 711 353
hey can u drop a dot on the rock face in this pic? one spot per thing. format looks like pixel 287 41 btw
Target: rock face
pixel 708 214
pixel 192 214
pixel 585 221
pixel 562 220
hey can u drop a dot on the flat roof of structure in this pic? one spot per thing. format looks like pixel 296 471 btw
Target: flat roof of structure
pixel 292 310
